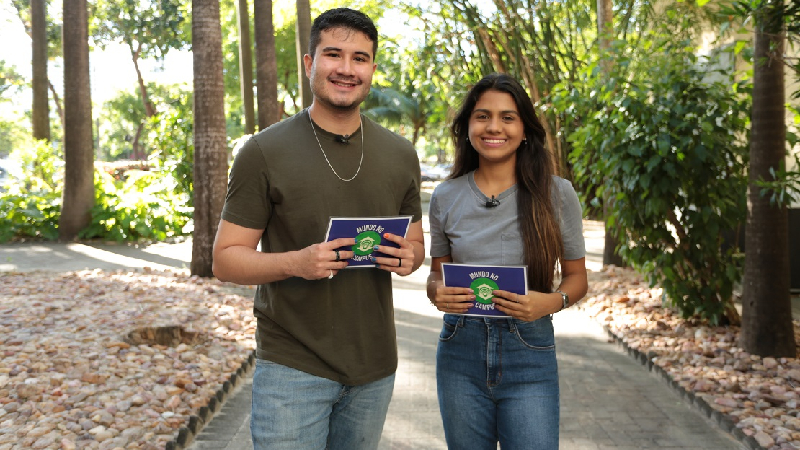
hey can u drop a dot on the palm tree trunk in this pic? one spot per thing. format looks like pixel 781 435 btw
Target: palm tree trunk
pixel 40 109
pixel 246 66
pixel 78 194
pixel 302 37
pixel 210 146
pixel 269 110
pixel 605 23
pixel 767 328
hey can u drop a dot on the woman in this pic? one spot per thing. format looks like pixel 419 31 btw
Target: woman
pixel 497 378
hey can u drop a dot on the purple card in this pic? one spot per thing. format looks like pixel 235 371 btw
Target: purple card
pixel 368 232
pixel 483 280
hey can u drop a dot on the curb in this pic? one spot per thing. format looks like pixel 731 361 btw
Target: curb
pixel 197 422
pixel 723 421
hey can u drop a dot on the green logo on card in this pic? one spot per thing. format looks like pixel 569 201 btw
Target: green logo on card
pixel 483 287
pixel 365 242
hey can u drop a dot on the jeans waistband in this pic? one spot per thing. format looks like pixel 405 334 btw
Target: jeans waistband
pixel 502 322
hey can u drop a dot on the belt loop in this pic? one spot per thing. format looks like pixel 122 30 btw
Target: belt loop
pixel 512 326
pixel 460 322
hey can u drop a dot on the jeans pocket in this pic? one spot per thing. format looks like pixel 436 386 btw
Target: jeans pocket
pixel 449 327
pixel 536 335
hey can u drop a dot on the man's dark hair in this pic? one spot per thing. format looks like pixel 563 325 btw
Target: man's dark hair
pixel 342 18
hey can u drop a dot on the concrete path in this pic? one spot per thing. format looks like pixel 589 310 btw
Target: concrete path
pixel 608 400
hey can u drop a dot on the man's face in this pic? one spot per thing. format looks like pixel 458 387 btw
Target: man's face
pixel 341 70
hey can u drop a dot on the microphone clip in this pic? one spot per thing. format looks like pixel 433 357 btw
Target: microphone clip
pixel 342 139
pixel 492 203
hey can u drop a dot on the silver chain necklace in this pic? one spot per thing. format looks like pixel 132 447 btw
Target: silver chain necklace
pixel 361 125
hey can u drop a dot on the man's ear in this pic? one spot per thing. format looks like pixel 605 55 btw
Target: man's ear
pixel 308 61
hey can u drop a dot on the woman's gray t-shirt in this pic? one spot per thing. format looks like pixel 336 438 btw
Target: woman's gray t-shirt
pixel 462 226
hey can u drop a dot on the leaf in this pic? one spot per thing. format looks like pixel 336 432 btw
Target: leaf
pixel 740 45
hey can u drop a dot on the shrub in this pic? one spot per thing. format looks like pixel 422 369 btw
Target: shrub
pixel 667 148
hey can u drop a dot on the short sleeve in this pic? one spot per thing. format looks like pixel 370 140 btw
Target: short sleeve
pixel 440 245
pixel 571 221
pixel 247 203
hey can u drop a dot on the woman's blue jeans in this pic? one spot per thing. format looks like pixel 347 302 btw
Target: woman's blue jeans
pixel 293 410
pixel 497 381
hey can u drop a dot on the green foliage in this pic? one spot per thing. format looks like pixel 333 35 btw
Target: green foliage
pixel 143 206
pixel 152 205
pixel 12 135
pixel 667 148
pixel 41 167
pixel 784 187
pixel 771 16
pixel 10 80
pixel 123 116
pixel 119 122
pixel 173 143
pixel 31 206
pixel 150 28
pixel 31 215
pixel 53 23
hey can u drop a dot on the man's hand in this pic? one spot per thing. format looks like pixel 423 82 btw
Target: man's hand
pixel 398 260
pixel 319 261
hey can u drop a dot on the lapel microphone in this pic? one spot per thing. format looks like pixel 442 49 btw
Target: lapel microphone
pixel 491 203
pixel 342 139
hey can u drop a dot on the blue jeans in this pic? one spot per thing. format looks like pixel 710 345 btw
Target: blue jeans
pixel 294 410
pixel 497 381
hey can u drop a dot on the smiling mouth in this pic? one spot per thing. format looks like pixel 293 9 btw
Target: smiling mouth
pixel 494 141
pixel 346 84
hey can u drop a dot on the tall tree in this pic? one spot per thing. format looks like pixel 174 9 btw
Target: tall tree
pixel 302 36
pixel 246 66
pixel 149 28
pixel 78 195
pixel 767 328
pixel 53 49
pixel 40 109
pixel 605 29
pixel 266 64
pixel 210 144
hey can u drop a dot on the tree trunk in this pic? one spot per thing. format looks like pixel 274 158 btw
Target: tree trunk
pixel 302 37
pixel 149 109
pixel 40 109
pixel 210 146
pixel 78 195
pixel 605 24
pixel 135 154
pixel 269 110
pixel 57 101
pixel 767 328
pixel 246 66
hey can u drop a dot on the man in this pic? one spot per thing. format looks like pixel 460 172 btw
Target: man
pixel 327 349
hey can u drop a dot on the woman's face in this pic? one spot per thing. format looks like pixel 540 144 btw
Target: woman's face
pixel 495 127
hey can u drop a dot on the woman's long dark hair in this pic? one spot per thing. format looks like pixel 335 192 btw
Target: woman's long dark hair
pixel 538 222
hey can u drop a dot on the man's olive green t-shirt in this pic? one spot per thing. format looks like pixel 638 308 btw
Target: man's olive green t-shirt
pixel 341 329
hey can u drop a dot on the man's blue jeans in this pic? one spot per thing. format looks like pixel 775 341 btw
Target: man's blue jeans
pixel 497 381
pixel 293 410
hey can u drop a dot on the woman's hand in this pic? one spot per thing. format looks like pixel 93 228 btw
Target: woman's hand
pixel 452 300
pixel 529 307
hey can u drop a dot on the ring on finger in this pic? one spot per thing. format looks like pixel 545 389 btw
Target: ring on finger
pixel 399 262
pixel 337 255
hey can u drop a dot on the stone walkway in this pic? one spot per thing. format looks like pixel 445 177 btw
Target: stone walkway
pixel 608 399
